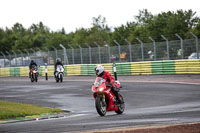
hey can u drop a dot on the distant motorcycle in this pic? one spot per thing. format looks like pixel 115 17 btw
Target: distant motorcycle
pixel 34 74
pixel 59 73
pixel 105 99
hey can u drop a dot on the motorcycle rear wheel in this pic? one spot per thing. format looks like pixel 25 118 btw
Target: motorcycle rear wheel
pixel 121 106
pixel 36 78
pixel 100 106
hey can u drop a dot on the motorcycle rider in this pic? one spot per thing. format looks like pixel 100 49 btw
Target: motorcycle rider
pixel 32 63
pixel 100 72
pixel 58 62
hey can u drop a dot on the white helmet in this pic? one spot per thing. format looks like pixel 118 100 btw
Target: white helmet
pixel 99 69
pixel 58 60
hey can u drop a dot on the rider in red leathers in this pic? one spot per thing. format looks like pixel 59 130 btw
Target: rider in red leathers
pixel 100 72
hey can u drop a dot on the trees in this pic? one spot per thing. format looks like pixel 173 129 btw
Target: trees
pixel 166 23
pixel 196 29
pixel 99 31
pixel 2 43
pixel 144 25
pixel 180 22
pixel 7 40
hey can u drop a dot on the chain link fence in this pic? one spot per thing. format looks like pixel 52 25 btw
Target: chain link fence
pixel 172 50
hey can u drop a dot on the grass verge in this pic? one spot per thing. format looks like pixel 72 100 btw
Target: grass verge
pixel 13 110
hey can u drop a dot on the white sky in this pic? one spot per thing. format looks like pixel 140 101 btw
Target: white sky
pixel 73 14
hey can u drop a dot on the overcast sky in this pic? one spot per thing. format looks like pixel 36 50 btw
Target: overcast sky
pixel 73 14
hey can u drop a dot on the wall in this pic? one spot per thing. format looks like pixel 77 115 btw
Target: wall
pixel 129 68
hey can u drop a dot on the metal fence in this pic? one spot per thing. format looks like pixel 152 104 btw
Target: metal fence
pixel 167 50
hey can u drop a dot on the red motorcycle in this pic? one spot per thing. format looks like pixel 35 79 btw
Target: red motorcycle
pixel 105 99
pixel 34 74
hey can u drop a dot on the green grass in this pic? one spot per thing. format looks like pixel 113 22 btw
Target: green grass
pixel 13 110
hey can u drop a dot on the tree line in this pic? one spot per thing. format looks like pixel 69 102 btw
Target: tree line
pixel 145 24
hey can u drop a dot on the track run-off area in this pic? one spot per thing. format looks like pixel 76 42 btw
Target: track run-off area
pixel 150 100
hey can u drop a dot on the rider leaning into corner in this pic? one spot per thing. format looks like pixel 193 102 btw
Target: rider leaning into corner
pixel 58 62
pixel 100 72
pixel 32 63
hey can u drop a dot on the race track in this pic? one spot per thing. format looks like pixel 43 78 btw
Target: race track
pixel 149 100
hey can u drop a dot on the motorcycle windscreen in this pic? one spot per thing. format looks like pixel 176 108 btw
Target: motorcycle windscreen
pixel 34 67
pixel 60 68
pixel 98 82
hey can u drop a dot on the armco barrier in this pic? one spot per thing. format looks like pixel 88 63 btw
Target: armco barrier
pixel 193 67
pixel 87 69
pixel 141 68
pixel 24 71
pixel 123 69
pixel 129 68
pixel 15 71
pixel 5 72
pixel 163 67
pixel 187 67
pixel 42 73
pixel 73 70
pixel 107 67
pixel 50 70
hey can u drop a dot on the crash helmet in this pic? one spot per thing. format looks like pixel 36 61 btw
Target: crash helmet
pixel 32 61
pixel 58 60
pixel 99 69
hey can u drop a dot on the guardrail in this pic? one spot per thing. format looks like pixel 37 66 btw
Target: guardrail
pixel 129 68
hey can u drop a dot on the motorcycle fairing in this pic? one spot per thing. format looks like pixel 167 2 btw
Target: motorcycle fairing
pixel 99 88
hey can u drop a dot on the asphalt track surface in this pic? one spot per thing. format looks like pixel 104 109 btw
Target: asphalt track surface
pixel 149 100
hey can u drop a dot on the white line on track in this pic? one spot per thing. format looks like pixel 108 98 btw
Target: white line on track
pixel 75 115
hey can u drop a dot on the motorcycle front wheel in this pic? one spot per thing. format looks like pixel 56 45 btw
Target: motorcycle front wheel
pixel 32 78
pixel 61 78
pixel 100 105
pixel 57 78
pixel 121 107
pixel 36 78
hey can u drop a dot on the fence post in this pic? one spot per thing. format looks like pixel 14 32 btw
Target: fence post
pixel 130 49
pixel 107 45
pixel 99 50
pixel 64 54
pixel 48 60
pixel 81 53
pixel 55 51
pixel 27 53
pixel 89 52
pixel 21 56
pixel 15 57
pixel 4 58
pixel 142 49
pixel 72 52
pixel 182 52
pixel 154 47
pixel 197 44
pixel 32 50
pixel 167 44
pixel 46 71
pixel 9 57
pixel 119 50
pixel 39 49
